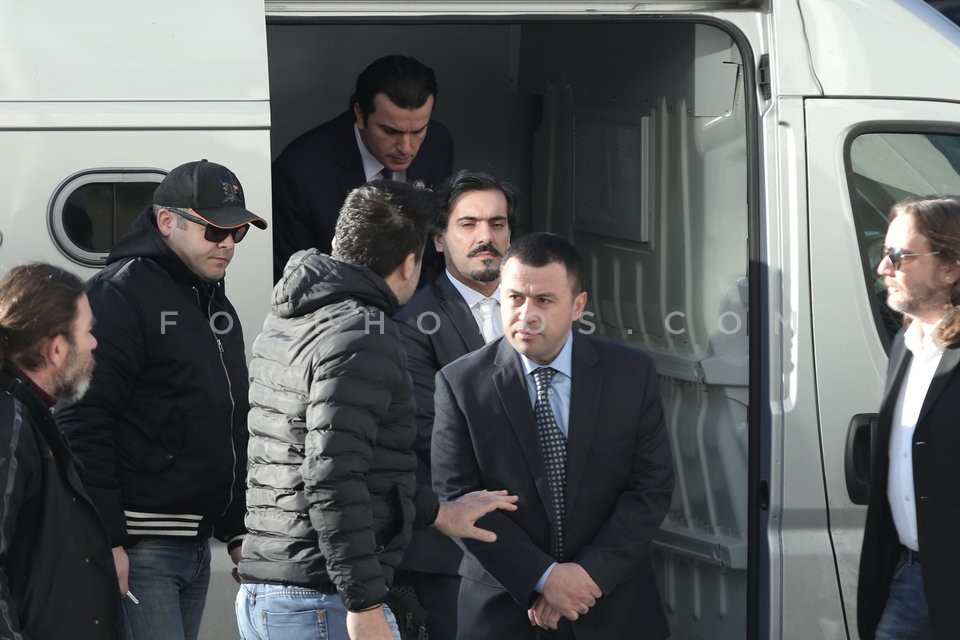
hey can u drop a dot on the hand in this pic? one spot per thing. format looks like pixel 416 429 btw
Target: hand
pixel 543 615
pixel 236 554
pixel 122 563
pixel 570 590
pixel 457 518
pixel 369 625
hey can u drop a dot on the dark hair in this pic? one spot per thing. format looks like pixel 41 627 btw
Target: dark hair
pixel 540 249
pixel 381 223
pixel 937 218
pixel 406 81
pixel 37 301
pixel 464 182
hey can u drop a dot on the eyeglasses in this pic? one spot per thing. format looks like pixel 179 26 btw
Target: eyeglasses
pixel 211 233
pixel 896 255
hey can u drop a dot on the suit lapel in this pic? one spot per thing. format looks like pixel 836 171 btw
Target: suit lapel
pixel 456 308
pixel 900 358
pixel 508 378
pixel 585 392
pixel 945 371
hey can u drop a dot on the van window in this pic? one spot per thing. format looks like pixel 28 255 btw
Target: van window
pixel 90 211
pixel 885 168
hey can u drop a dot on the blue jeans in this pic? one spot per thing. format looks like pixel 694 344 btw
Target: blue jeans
pixel 905 614
pixel 169 576
pixel 279 612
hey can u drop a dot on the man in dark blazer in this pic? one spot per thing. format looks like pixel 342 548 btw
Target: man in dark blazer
pixel 574 426
pixel 910 559
pixel 386 134
pixel 444 320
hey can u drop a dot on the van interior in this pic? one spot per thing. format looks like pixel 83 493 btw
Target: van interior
pixel 630 139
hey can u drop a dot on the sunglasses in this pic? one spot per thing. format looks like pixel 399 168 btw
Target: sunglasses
pixel 211 233
pixel 896 255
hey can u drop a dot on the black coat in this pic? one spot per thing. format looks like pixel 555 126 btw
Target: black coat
pixel 57 578
pixel 163 429
pixel 315 172
pixel 450 331
pixel 619 485
pixel 332 492
pixel 936 477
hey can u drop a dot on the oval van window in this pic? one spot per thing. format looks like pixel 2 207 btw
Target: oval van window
pixel 91 210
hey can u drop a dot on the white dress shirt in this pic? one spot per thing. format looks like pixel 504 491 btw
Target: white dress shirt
pixel 558 393
pixel 473 297
pixel 919 339
pixel 373 168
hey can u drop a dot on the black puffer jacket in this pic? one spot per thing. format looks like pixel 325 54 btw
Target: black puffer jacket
pixel 57 578
pixel 332 492
pixel 162 432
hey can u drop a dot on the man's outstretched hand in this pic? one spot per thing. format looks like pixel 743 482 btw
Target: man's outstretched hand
pixel 457 518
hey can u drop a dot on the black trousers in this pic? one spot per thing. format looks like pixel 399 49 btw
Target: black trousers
pixel 437 593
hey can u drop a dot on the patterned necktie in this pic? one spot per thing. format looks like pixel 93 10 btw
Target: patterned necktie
pixel 553 445
pixel 486 307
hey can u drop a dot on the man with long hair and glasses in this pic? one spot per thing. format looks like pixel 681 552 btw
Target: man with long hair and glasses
pixel 57 578
pixel 162 432
pixel 910 561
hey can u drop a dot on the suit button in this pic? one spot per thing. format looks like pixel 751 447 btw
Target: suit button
pixel 87 560
pixel 96 622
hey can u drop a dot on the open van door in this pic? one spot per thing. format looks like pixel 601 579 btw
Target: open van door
pixel 862 156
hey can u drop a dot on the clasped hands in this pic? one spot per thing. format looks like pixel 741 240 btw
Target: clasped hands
pixel 569 592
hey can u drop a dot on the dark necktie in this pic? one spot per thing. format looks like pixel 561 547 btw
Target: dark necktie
pixel 387 174
pixel 554 448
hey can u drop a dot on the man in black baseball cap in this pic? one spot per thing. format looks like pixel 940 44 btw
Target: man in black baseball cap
pixel 210 192
pixel 162 431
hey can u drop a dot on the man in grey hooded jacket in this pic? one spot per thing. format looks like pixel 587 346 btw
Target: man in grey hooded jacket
pixel 332 494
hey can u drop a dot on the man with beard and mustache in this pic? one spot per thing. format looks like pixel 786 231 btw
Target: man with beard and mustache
pixel 57 578
pixel 909 561
pixel 162 434
pixel 456 313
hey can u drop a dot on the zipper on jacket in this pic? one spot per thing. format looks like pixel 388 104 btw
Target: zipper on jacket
pixel 233 404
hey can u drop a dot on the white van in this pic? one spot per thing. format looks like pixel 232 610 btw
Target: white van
pixel 725 166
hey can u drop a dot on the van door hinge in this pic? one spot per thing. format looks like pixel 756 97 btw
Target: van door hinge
pixel 763 76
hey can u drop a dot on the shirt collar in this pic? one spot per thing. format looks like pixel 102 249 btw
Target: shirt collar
pixel 920 339
pixel 371 166
pixel 44 397
pixel 471 296
pixel 563 363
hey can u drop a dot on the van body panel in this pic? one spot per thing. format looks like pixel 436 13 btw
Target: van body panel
pixel 35 163
pixel 863 48
pixel 385 8
pixel 843 317
pixel 114 51
pixel 171 115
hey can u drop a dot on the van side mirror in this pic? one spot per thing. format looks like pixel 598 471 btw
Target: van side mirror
pixel 858 457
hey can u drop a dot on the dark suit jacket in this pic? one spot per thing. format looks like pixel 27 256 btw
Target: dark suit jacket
pixel 449 331
pixel 619 483
pixel 314 174
pixel 936 476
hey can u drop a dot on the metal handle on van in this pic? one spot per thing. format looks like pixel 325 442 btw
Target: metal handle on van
pixel 861 441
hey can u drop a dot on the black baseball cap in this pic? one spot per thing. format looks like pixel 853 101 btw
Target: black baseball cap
pixel 209 190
